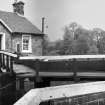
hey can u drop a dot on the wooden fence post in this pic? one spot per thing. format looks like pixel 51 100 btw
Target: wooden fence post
pixel 3 61
pixel 7 64
pixel 11 65
pixel 0 63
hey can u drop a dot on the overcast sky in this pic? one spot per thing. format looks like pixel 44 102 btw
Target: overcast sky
pixel 58 13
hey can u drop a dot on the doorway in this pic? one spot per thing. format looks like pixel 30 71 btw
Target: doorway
pixel 2 41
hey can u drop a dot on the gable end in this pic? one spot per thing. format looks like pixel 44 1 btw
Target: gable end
pixel 5 25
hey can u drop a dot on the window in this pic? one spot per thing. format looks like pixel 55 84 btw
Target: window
pixel 26 43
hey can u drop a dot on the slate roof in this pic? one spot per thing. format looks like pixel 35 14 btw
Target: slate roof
pixel 18 23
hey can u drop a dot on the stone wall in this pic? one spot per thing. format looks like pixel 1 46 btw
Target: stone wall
pixel 36 44
pixel 89 99
pixel 92 93
pixel 7 89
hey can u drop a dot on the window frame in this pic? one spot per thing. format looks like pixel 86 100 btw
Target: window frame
pixel 30 44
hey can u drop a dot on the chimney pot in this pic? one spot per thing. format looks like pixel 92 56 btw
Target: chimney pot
pixel 18 7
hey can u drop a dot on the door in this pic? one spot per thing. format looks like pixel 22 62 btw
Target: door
pixel 0 42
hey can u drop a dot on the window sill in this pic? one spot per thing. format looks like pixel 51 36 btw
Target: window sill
pixel 24 51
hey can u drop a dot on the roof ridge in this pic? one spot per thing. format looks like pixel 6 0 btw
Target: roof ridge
pixel 12 13
pixel 5 11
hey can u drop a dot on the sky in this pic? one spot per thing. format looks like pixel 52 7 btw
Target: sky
pixel 59 13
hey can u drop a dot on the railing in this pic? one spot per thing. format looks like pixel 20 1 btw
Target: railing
pixel 6 61
pixel 36 96
pixel 67 66
pixel 7 78
pixel 64 57
pixel 51 65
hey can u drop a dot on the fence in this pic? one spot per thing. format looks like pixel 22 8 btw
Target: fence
pixel 92 93
pixel 6 61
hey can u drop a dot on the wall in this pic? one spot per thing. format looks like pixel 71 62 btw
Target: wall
pixel 7 89
pixel 36 44
pixel 91 93
pixel 89 99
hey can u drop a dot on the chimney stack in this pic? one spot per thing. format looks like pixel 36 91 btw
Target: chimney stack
pixel 18 7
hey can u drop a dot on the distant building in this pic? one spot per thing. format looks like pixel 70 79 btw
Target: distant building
pixel 18 34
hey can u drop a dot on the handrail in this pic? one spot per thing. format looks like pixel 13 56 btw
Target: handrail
pixel 36 96
pixel 62 57
pixel 54 58
pixel 9 54
pixel 6 61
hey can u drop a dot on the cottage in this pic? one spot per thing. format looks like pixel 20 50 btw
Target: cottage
pixel 18 34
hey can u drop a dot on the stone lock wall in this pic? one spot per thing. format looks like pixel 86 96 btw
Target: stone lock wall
pixel 7 89
pixel 89 99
